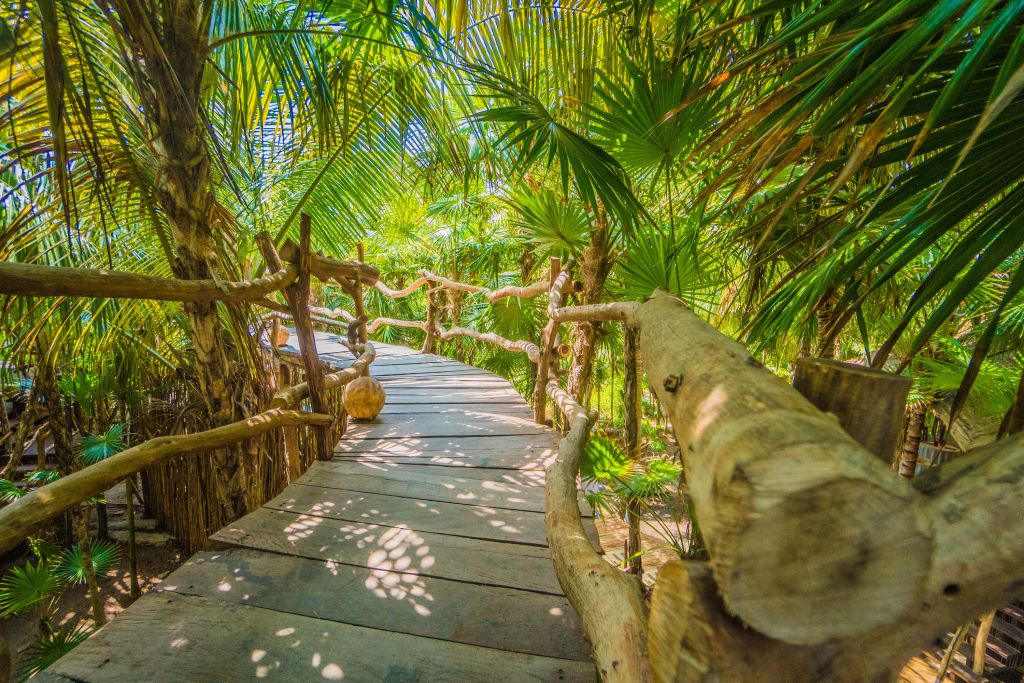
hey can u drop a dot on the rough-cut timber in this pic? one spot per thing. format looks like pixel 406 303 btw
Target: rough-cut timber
pixel 813 541
pixel 28 279
pixel 407 558
pixel 869 403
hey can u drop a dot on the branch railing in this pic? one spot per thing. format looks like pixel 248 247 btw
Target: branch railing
pixel 822 564
pixel 291 271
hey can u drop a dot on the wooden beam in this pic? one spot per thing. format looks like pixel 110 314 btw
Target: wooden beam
pixel 531 350
pixel 26 279
pixel 28 513
pixel 452 284
pixel 537 288
pixel 621 310
pixel 558 278
pixel 326 268
pixel 430 326
pixel 401 293
pixel 811 538
pixel 609 602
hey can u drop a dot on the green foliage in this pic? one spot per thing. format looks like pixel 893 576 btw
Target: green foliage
pixel 9 491
pixel 95 447
pixel 27 587
pixel 41 477
pixel 70 565
pixel 52 647
pixel 612 479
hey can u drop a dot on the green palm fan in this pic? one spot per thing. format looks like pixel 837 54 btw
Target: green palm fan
pixel 26 587
pixel 70 565
pixel 51 648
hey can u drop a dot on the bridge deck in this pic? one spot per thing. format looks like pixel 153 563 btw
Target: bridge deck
pixel 418 553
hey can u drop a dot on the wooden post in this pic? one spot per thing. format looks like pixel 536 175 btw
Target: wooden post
pixel 428 339
pixel 870 404
pixel 297 295
pixel 547 339
pixel 631 410
pixel 133 564
pixel 357 298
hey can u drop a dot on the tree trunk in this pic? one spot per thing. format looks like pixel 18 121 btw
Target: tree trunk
pixel 828 339
pixel 631 428
pixel 594 269
pixel 85 545
pixel 912 441
pixel 168 60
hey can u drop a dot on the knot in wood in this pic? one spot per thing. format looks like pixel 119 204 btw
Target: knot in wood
pixel 672 383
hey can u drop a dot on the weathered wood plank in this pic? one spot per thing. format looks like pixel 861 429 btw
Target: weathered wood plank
pixel 527 445
pixel 400 407
pixel 387 599
pixel 431 396
pixel 471 521
pixel 489 461
pixel 513 565
pixel 395 481
pixel 425 370
pixel 186 638
pixel 417 468
pixel 450 424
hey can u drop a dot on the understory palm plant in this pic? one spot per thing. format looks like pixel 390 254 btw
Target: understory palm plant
pixel 618 486
pixel 37 588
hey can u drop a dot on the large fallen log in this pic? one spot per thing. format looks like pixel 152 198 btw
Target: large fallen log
pixel 26 279
pixel 812 540
pixel 28 513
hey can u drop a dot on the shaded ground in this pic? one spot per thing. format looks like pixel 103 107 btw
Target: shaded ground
pixel 154 563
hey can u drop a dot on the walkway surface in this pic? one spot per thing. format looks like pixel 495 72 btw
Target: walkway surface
pixel 418 553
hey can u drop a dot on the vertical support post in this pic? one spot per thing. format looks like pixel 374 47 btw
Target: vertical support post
pixel 357 297
pixel 133 563
pixel 428 339
pixel 547 340
pixel 275 332
pixel 297 295
pixel 631 424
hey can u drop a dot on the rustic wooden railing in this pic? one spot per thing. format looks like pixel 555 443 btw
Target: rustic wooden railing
pixel 822 564
pixel 292 269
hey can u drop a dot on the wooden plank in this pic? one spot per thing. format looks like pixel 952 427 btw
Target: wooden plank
pixel 444 370
pixel 494 460
pixel 475 381
pixel 417 468
pixel 450 424
pixel 396 406
pixel 513 565
pixel 395 481
pixel 175 638
pixel 488 616
pixel 528 446
pixel 471 521
pixel 439 396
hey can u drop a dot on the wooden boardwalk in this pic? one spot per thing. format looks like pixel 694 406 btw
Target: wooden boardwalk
pixel 418 554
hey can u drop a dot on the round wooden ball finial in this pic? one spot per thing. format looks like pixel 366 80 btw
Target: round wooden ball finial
pixel 280 335
pixel 363 398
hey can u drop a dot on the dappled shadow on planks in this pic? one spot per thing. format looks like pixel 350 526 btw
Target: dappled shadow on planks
pixel 418 553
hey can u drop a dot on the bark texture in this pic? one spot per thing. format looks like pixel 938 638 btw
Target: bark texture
pixel 595 266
